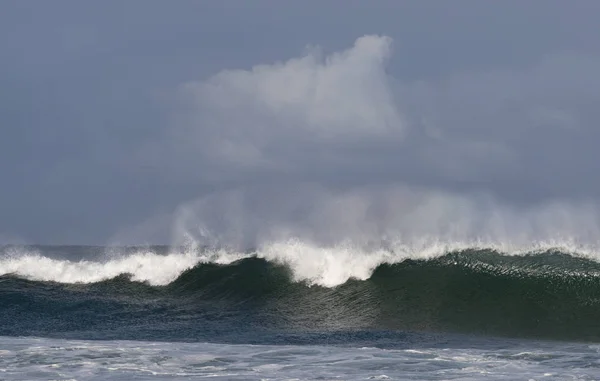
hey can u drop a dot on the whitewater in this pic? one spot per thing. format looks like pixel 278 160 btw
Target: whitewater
pixel 323 266
pixel 38 358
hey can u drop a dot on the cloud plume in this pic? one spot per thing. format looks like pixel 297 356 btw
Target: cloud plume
pixel 331 147
pixel 290 116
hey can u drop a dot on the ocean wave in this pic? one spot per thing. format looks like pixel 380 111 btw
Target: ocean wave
pixel 142 266
pixel 543 294
pixel 327 266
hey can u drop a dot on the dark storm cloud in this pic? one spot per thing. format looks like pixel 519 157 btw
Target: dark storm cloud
pixel 496 98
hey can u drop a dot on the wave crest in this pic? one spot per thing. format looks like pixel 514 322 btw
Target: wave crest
pixel 315 265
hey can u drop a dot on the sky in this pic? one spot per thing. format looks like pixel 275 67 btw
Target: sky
pixel 145 121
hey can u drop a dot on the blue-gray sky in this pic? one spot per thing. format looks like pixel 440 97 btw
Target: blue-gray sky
pixel 113 114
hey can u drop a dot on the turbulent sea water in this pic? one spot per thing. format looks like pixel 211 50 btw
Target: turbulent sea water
pixel 292 311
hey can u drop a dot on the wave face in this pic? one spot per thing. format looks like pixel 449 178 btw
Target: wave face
pixel 156 294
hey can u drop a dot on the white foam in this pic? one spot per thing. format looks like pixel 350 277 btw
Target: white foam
pixel 327 266
pixel 28 358
pixel 155 269
pixel 332 266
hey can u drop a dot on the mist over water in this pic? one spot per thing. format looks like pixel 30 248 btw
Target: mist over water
pixel 325 237
pixel 312 263
pixel 328 236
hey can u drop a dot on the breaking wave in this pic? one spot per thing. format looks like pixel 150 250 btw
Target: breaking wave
pixel 315 265
pixel 541 291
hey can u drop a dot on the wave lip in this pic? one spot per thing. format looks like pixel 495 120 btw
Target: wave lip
pixel 314 265
pixel 144 266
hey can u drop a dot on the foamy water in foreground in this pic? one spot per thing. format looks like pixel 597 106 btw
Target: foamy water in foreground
pixel 48 359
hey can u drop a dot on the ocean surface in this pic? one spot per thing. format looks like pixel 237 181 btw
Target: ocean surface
pixel 293 311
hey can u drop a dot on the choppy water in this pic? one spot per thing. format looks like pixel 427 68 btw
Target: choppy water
pixel 26 359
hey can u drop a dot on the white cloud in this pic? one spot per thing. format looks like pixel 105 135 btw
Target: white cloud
pixel 368 142
pixel 341 118
pixel 344 94
pixel 259 117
